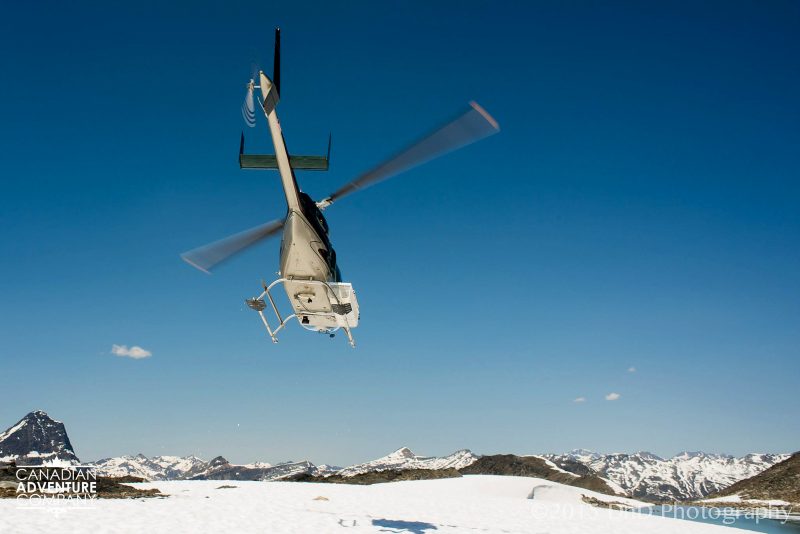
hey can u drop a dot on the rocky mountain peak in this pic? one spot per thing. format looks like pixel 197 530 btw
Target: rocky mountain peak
pixel 582 452
pixel 404 458
pixel 402 452
pixel 687 455
pixel 36 439
pixel 647 455
pixel 219 460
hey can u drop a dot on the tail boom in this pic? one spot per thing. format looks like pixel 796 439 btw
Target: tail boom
pixel 270 101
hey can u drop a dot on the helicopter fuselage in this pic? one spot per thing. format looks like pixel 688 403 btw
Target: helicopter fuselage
pixel 306 252
pixel 307 259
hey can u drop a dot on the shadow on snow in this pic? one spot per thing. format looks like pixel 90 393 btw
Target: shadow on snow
pixel 415 527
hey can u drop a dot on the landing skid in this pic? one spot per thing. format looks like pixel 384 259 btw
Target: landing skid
pixel 259 305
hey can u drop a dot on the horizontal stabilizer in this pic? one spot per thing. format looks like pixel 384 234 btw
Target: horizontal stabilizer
pixel 298 163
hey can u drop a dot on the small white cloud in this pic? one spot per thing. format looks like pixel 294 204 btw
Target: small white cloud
pixel 136 352
pixel 613 396
pixel 580 399
pixel 631 369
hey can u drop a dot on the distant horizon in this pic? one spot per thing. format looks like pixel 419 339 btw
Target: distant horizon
pixel 479 453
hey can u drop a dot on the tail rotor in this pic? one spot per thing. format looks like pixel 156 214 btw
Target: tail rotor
pixel 249 106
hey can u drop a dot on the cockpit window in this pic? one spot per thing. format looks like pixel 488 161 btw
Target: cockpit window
pixel 312 212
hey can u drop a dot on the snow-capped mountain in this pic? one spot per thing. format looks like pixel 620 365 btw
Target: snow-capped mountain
pixel 155 468
pixel 220 469
pixel 194 468
pixel 403 458
pixel 776 486
pixel 686 476
pixel 37 439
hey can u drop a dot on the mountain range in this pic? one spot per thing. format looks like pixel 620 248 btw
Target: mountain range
pixel 37 439
pixel 686 476
pixel 193 468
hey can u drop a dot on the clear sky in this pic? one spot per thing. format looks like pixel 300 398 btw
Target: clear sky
pixel 639 209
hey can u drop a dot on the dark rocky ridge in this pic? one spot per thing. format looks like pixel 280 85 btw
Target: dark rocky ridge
pixel 500 464
pixel 531 466
pixel 107 488
pixel 378 477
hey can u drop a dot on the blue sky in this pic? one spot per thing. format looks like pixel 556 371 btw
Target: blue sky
pixel 638 209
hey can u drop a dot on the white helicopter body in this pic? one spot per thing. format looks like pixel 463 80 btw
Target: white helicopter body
pixel 309 272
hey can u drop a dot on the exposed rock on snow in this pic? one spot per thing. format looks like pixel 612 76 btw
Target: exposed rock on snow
pixel 379 477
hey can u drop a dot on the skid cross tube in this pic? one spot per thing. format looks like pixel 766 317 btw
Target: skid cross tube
pixel 282 321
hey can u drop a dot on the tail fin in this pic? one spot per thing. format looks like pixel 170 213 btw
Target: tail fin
pixel 276 66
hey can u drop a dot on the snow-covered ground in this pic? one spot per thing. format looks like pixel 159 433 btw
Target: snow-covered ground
pixel 737 499
pixel 473 504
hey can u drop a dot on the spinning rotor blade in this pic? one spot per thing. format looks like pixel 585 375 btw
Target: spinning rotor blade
pixel 207 256
pixel 248 107
pixel 471 126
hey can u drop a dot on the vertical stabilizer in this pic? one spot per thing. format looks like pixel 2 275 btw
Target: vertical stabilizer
pixel 276 66
pixel 271 95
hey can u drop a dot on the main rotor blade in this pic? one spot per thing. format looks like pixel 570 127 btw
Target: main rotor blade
pixel 472 125
pixel 207 256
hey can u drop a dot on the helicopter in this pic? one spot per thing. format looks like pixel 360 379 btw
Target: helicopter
pixel 309 271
